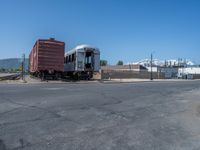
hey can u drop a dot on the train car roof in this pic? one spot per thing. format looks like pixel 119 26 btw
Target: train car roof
pixel 81 48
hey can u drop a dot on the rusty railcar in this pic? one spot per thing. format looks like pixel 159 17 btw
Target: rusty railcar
pixel 47 58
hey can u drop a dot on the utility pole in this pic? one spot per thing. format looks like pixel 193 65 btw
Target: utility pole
pixel 23 67
pixel 151 67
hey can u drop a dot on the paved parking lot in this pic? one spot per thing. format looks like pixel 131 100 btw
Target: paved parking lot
pixel 128 116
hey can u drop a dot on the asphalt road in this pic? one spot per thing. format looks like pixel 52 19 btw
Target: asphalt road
pixel 97 116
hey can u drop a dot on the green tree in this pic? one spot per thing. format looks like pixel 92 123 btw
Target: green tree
pixel 103 62
pixel 120 62
pixel 2 69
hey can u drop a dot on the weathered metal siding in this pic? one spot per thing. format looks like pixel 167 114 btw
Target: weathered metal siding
pixel 80 61
pixel 47 55
pixel 97 62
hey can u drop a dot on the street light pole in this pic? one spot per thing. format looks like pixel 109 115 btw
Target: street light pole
pixel 23 67
pixel 151 67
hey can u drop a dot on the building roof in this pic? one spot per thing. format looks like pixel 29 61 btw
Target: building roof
pixel 82 48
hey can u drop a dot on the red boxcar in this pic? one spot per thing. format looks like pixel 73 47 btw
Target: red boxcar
pixel 47 58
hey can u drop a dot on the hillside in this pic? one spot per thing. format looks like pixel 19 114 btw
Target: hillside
pixel 12 63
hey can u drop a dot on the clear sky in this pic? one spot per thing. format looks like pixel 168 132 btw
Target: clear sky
pixel 127 30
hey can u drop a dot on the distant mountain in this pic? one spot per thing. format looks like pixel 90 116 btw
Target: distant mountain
pixel 12 63
pixel 172 62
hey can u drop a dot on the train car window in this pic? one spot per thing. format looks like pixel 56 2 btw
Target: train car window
pixel 74 57
pixel 69 58
pixel 88 57
pixel 66 59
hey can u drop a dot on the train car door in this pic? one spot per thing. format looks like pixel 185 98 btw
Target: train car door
pixel 89 60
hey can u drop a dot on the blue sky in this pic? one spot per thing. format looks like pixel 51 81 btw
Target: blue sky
pixel 127 30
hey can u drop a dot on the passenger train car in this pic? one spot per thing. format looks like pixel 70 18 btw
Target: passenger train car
pixel 82 61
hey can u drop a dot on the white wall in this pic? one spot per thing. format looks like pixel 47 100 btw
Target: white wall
pixel 154 69
pixel 189 70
